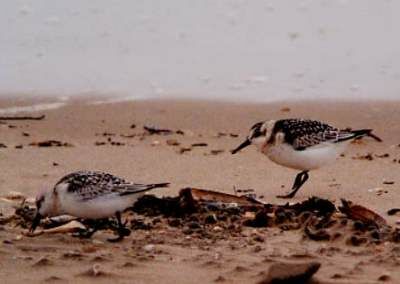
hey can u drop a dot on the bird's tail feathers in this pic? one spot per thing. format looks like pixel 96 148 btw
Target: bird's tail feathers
pixel 361 132
pixel 157 185
pixel 137 188
pixel 354 134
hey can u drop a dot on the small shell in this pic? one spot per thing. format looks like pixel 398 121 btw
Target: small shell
pixel 14 195
pixel 66 228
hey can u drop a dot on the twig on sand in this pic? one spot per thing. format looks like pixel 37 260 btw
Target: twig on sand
pixel 22 117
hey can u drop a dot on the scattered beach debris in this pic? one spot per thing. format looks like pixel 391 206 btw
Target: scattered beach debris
pixel 202 212
pixel 51 143
pixel 378 190
pixel 184 150
pixel 22 117
pixel 388 182
pixel 116 143
pixel 172 142
pixel 217 151
pixel 109 142
pixel 128 135
pixel 133 126
pixel 367 157
pixel 53 278
pixel 199 144
pixel 151 130
pixel 25 134
pixel 284 272
pixel 2 145
pixel 384 278
pixel 386 155
pixel 105 134
pixel 225 134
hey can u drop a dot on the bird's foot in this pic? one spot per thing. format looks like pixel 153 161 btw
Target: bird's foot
pixel 122 232
pixel 287 196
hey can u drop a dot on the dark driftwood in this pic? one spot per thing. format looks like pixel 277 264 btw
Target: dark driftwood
pixel 22 117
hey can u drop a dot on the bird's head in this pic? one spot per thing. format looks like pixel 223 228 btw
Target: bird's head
pixel 44 207
pixel 259 135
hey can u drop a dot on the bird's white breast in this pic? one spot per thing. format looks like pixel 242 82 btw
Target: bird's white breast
pixel 311 158
pixel 99 207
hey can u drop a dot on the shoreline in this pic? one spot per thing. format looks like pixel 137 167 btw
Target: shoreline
pixel 21 104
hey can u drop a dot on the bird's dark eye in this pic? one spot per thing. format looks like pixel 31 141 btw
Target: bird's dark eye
pixel 257 126
pixel 256 130
pixel 258 133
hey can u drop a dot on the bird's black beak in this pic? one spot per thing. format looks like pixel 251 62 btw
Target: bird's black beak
pixel 246 143
pixel 35 222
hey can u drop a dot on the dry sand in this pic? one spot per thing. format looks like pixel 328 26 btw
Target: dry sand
pixel 176 257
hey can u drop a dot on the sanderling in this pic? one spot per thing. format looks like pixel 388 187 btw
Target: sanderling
pixel 300 144
pixel 90 195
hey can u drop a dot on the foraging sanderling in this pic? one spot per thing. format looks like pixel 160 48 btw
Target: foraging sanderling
pixel 300 144
pixel 90 195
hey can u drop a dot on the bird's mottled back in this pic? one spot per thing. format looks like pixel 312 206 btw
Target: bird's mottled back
pixel 81 179
pixel 87 185
pixel 305 133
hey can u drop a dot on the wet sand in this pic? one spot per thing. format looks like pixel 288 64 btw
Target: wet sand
pixel 176 256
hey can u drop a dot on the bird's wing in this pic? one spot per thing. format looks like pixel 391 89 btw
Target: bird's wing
pixel 302 134
pixel 137 187
pixel 88 185
pixel 318 138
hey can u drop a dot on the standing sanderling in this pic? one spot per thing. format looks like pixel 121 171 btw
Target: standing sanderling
pixel 90 195
pixel 300 144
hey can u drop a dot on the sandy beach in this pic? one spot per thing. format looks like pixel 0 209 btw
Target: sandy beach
pixel 106 137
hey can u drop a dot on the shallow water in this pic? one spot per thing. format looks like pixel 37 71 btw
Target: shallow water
pixel 234 49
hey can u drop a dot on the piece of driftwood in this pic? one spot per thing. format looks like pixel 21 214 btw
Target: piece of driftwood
pixel 360 213
pixel 40 117
pixel 209 196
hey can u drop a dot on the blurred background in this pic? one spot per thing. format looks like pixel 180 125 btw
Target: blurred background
pixel 233 49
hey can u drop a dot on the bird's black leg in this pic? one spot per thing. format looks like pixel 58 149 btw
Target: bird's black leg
pixel 121 229
pixel 301 178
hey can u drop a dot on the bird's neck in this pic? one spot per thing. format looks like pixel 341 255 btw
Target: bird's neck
pixel 260 143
